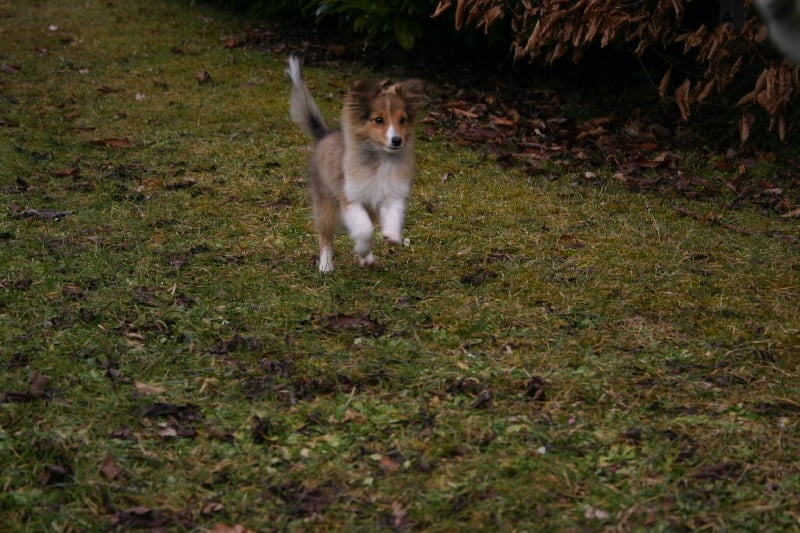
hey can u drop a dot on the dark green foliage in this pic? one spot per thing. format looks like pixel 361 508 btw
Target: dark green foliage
pixel 387 22
pixel 398 24
pixel 281 11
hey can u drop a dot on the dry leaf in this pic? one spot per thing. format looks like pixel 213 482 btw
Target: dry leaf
pixel 465 113
pixel 113 142
pixel 399 515
pixel 707 88
pixel 503 121
pixel 594 513
pixel 360 324
pixel 54 473
pixel 388 464
pixel 211 508
pixel 460 6
pixel 146 390
pixel 494 14
pixel 484 399
pixel 443 6
pixel 109 468
pixel 749 98
pixel 224 528
pixel 167 432
pixel 571 242
pixel 662 87
pixel 353 416
pixel 745 123
pixel 682 99
pixel 64 172
pixel 38 385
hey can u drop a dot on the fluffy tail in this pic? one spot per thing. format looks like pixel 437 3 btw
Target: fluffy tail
pixel 302 108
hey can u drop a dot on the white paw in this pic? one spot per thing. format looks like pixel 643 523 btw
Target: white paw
pixel 326 259
pixel 394 238
pixel 368 260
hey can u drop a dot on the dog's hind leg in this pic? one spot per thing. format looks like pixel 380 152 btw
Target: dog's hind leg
pixel 326 219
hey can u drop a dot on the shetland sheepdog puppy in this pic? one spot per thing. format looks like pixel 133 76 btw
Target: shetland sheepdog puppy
pixel 361 174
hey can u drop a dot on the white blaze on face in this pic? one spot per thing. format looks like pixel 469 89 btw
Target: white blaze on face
pixel 391 133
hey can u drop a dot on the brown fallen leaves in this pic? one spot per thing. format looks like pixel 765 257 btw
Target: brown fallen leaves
pixel 37 390
pixel 143 517
pixel 358 324
pixel 530 130
pixel 145 389
pixel 169 421
pixel 110 469
pixel 54 474
pixel 112 142
pixel 224 528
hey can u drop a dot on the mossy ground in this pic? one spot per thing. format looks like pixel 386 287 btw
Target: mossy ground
pixel 545 355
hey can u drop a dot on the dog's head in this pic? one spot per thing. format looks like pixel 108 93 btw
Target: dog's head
pixel 384 113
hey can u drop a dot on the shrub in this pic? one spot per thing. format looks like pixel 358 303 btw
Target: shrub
pixel 381 21
pixel 274 10
pixel 725 45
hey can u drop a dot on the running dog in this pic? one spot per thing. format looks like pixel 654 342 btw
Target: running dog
pixel 360 174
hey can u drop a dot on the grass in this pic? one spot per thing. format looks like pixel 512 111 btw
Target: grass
pixel 545 355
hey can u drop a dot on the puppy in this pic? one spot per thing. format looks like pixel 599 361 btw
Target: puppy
pixel 361 174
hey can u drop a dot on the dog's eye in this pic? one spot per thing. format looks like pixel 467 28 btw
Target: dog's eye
pixel 378 120
pixel 403 120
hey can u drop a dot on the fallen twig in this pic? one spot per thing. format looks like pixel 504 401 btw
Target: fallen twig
pixel 713 218
pixel 43 214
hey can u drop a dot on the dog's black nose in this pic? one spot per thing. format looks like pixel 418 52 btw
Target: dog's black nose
pixel 397 141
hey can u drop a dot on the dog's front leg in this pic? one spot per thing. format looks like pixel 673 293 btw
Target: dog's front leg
pixel 391 214
pixel 359 225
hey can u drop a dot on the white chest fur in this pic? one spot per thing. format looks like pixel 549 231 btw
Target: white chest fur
pixel 389 181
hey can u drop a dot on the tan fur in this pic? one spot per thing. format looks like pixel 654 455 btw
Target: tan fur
pixel 367 165
pixel 326 183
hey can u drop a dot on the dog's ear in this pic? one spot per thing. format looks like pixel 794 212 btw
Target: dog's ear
pixel 368 88
pixel 413 92
pixel 360 96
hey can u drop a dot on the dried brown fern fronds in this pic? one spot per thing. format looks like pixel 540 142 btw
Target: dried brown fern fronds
pixel 550 30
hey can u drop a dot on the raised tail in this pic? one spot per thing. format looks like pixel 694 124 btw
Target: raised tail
pixel 302 108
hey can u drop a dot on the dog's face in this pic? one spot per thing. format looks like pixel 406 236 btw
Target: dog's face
pixel 385 114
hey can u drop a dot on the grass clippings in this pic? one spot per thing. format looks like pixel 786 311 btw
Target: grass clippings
pixel 544 355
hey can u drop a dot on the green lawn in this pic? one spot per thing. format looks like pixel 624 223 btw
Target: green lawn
pixel 545 355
